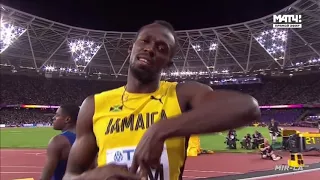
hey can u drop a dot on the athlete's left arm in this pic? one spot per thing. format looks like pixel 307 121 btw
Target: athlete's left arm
pixel 54 149
pixel 211 111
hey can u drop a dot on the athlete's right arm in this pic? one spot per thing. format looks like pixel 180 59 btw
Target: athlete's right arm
pixel 84 150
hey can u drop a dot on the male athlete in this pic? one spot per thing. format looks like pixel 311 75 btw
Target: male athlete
pixel 59 146
pixel 146 124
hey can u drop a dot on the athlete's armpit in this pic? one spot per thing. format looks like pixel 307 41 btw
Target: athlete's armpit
pixel 84 150
pixel 54 151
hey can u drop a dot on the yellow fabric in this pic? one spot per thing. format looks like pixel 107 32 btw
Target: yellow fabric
pixel 256 124
pixel 121 118
pixel 194 146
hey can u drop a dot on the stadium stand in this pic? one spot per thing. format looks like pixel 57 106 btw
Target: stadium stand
pixel 38 90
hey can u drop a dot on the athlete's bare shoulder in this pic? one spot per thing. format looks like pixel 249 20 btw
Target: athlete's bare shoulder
pixel 190 92
pixel 86 110
pixel 58 141
pixel 56 146
pixel 193 85
pixel 190 89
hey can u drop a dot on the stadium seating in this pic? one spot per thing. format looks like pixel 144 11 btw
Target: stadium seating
pixel 18 89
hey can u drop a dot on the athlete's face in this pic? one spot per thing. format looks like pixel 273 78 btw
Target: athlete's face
pixel 151 52
pixel 59 120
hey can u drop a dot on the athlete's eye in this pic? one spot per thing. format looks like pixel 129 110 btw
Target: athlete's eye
pixel 161 48
pixel 144 41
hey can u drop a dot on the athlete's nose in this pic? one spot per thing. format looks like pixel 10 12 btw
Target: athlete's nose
pixel 149 50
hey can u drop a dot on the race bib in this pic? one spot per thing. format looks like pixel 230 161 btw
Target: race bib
pixel 124 156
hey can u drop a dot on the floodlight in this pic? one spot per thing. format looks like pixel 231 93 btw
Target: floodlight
pixel 83 51
pixel 9 33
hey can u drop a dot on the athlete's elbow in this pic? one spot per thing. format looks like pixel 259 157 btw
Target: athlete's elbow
pixel 69 176
pixel 66 176
pixel 73 176
pixel 250 110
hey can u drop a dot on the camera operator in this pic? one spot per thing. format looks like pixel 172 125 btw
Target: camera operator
pixel 257 139
pixel 231 139
pixel 273 130
pixel 246 142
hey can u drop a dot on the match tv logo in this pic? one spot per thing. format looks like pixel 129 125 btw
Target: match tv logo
pixel 287 21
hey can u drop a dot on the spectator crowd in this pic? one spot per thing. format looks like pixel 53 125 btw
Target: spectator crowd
pixel 38 90
pixel 18 117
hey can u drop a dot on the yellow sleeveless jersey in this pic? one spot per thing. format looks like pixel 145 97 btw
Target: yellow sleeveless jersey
pixel 121 118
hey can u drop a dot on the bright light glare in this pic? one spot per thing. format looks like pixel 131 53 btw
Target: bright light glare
pixel 52 68
pixel 9 34
pixel 314 61
pixel 83 51
pixel 274 42
pixel 192 73
pixel 213 46
pixel 196 47
pixel 185 73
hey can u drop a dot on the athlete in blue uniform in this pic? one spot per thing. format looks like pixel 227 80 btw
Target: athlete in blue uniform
pixel 60 145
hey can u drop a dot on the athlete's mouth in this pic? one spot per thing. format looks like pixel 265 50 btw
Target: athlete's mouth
pixel 145 60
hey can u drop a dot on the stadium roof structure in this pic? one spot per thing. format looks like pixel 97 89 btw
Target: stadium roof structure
pixel 41 45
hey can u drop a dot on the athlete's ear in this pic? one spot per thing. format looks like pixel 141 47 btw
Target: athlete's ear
pixel 68 119
pixel 130 48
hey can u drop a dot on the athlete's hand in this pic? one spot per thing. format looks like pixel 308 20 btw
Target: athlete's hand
pixel 113 172
pixel 148 152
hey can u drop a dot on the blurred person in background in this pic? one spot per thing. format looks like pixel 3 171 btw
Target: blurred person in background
pixel 267 151
pixel 59 146
pixel 257 139
pixel 231 139
pixel 273 130
pixel 246 142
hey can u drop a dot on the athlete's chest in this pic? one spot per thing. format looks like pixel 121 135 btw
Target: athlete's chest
pixel 132 123
pixel 130 119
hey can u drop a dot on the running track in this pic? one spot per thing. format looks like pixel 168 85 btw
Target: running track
pixel 27 163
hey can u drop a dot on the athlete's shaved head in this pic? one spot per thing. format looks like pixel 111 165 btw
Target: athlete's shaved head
pixel 166 25
pixel 66 116
pixel 70 110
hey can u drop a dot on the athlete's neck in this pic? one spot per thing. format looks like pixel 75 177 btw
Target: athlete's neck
pixel 70 129
pixel 136 86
